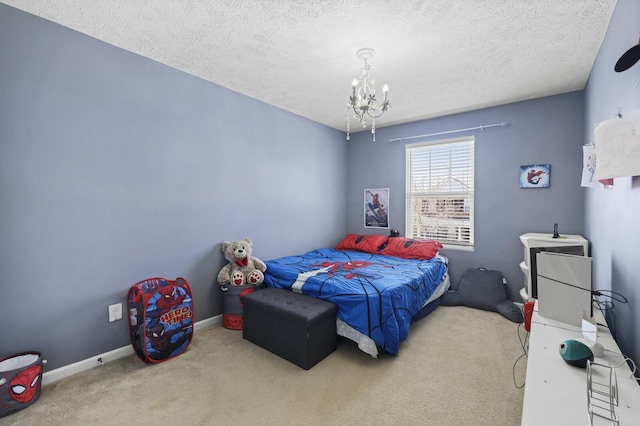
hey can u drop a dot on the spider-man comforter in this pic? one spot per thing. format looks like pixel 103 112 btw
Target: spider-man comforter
pixel 376 294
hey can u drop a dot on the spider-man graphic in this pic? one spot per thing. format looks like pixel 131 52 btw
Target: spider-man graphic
pixel 165 300
pixel 411 249
pixel 21 390
pixel 347 269
pixel 169 298
pixel 162 341
pixel 534 176
pixel 165 331
pixel 150 286
pixel 24 386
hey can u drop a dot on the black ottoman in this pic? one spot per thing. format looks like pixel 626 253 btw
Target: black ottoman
pixel 296 327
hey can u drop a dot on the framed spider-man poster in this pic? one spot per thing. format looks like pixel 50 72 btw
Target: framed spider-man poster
pixel 535 176
pixel 376 208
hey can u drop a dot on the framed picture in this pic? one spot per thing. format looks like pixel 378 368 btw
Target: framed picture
pixel 535 176
pixel 376 208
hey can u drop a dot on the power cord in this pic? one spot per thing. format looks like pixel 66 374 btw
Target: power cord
pixel 630 363
pixel 614 295
pixel 524 344
pixel 607 306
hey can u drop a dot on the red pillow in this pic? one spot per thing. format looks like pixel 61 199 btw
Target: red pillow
pixel 411 249
pixel 365 243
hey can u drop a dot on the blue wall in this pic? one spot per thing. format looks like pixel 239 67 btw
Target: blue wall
pixel 115 168
pixel 613 214
pixel 547 131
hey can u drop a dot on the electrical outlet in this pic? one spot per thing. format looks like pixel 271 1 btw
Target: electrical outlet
pixel 115 312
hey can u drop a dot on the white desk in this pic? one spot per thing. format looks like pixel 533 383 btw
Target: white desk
pixel 556 392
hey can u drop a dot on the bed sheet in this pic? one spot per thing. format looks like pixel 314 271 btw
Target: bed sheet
pixel 367 345
pixel 376 295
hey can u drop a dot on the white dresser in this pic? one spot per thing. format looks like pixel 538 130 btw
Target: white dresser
pixel 536 242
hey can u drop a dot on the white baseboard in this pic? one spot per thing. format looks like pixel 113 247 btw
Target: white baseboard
pixel 100 359
pixel 208 322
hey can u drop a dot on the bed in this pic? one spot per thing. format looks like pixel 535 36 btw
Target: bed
pixel 380 285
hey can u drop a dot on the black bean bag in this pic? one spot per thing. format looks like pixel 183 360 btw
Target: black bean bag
pixel 483 289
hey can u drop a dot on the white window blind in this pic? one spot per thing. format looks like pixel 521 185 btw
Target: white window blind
pixel 440 191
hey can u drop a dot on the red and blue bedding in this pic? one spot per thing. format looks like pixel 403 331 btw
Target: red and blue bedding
pixel 376 294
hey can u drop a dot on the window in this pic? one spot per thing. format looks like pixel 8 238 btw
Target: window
pixel 440 191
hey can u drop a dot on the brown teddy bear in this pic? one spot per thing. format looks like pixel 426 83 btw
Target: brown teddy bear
pixel 242 267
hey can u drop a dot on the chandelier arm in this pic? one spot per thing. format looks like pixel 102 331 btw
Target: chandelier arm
pixel 357 112
pixel 375 113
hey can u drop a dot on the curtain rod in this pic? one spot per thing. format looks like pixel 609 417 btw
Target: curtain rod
pixel 486 126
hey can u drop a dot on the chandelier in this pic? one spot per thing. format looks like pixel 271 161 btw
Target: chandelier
pixel 363 100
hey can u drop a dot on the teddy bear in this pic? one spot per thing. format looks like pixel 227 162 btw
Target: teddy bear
pixel 242 267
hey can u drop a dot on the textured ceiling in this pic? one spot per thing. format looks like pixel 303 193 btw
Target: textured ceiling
pixel 437 56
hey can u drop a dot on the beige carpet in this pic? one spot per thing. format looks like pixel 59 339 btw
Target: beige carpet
pixel 456 368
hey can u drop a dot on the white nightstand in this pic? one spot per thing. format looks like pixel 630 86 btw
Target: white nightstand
pixel 535 243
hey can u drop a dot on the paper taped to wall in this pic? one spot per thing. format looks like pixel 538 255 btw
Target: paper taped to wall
pixel 588 166
pixel 618 146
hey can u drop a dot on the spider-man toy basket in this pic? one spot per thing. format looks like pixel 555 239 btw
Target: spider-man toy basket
pixel 20 381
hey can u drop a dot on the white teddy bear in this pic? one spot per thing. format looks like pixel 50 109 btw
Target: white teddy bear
pixel 242 267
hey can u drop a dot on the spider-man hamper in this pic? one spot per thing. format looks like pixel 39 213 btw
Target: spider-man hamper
pixel 20 381
pixel 160 318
